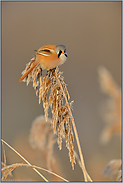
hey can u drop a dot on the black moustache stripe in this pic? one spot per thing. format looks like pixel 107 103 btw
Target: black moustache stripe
pixel 59 53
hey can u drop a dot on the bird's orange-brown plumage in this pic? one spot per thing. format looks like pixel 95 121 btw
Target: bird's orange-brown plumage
pixel 28 71
pixel 47 62
pixel 47 57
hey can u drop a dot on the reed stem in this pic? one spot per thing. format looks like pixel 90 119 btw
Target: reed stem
pixel 86 176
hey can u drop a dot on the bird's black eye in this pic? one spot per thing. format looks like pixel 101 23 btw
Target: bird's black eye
pixel 59 53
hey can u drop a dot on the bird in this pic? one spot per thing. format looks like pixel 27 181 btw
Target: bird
pixel 49 57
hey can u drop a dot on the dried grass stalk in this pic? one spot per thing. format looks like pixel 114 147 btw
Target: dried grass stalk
pixel 8 169
pixel 24 160
pixel 3 164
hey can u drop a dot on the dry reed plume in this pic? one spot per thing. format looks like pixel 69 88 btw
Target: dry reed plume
pixel 41 137
pixel 52 89
pixel 113 168
pixel 48 89
pixel 112 115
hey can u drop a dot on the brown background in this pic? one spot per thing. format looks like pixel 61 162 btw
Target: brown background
pixel 91 32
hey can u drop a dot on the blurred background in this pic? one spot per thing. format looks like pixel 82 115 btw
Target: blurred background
pixel 91 32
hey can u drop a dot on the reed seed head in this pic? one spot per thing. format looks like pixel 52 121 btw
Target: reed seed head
pixel 50 92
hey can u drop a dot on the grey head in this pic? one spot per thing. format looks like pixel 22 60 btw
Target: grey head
pixel 61 50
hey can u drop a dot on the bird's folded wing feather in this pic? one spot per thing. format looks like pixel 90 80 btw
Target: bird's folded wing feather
pixel 28 71
pixel 45 52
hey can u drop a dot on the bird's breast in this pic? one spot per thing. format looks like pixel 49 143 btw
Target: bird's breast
pixel 48 62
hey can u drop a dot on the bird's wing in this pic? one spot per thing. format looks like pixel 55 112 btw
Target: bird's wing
pixel 29 70
pixel 45 52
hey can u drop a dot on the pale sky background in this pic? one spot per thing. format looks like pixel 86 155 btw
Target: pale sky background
pixel 91 32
